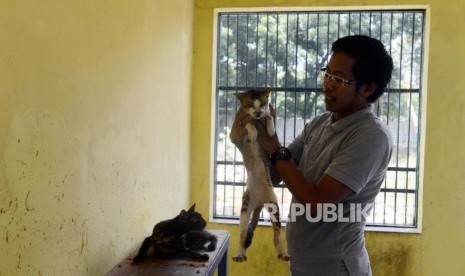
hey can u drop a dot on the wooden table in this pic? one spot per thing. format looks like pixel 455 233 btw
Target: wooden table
pixel 161 267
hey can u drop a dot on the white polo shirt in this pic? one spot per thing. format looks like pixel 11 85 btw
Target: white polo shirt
pixel 356 151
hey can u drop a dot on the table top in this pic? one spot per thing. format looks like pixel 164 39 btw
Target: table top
pixel 153 266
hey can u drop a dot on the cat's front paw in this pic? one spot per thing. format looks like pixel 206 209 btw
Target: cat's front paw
pixel 284 257
pixel 240 258
pixel 270 129
pixel 211 247
pixel 204 258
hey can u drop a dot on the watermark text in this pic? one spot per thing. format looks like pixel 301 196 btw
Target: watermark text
pixel 324 212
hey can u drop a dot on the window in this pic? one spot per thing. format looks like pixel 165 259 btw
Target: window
pixel 284 50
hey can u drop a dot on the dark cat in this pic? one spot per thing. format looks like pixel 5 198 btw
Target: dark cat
pixel 179 237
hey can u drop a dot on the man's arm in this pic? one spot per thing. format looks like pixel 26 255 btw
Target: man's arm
pixel 328 190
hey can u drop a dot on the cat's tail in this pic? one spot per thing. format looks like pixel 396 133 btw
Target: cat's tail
pixel 143 251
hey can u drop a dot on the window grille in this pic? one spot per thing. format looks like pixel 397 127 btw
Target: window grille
pixel 284 50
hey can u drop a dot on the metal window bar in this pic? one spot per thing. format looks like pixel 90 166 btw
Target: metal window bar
pixel 284 50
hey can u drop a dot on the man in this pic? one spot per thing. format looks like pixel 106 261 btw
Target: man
pixel 340 159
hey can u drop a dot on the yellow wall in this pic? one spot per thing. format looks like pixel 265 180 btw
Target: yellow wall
pixel 438 250
pixel 95 133
pixel 94 129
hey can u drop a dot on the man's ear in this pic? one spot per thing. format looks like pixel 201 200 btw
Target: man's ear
pixel 368 89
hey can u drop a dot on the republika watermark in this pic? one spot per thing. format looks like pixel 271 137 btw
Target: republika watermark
pixel 325 212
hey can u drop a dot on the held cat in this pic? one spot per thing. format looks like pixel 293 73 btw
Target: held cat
pixel 179 237
pixel 259 189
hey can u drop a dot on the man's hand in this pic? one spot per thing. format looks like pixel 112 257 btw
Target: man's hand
pixel 269 143
pixel 238 130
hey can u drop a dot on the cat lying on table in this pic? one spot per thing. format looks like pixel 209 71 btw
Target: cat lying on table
pixel 179 237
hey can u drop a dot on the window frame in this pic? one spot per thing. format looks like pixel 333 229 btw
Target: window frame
pixel 421 143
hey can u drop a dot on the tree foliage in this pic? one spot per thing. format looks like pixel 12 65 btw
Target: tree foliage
pixel 285 50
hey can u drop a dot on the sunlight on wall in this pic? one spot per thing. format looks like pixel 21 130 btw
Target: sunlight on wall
pixel 94 148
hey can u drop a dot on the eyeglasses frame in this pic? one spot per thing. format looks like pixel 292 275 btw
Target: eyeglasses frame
pixel 331 77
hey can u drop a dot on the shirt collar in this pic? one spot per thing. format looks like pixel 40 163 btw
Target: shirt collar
pixel 351 119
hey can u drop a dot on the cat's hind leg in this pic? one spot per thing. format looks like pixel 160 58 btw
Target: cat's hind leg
pixel 243 227
pixel 213 241
pixel 196 240
pixel 184 252
pixel 195 255
pixel 273 209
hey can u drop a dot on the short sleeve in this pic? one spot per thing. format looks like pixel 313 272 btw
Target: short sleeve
pixel 363 155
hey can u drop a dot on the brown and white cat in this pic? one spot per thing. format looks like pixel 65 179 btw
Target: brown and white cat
pixel 259 189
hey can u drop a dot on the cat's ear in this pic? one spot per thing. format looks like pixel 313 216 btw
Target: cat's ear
pixel 192 209
pixel 239 95
pixel 267 91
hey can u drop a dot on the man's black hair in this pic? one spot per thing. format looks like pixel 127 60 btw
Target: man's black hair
pixel 372 62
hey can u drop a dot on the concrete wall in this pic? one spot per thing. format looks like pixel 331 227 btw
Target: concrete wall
pixel 97 143
pixel 94 129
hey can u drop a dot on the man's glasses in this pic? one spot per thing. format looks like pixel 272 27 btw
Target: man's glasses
pixel 340 81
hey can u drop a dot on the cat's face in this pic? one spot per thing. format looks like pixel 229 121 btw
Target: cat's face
pixel 255 102
pixel 192 220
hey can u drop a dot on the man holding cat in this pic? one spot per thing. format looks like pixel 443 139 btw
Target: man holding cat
pixel 340 158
